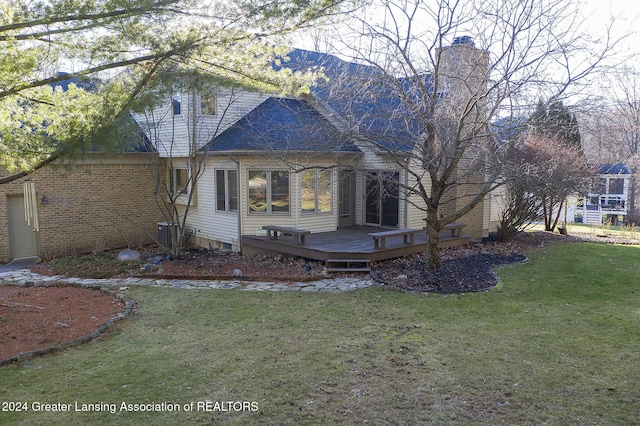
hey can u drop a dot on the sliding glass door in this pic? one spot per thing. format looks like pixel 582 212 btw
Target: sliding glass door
pixel 381 200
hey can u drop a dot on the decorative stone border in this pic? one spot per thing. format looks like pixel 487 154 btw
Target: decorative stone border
pixel 129 306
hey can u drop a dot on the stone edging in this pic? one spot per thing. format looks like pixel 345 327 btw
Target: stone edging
pixel 129 305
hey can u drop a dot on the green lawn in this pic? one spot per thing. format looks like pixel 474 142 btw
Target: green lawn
pixel 558 342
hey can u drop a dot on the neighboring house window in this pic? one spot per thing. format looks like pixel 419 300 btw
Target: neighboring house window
pixel 316 191
pixel 268 191
pixel 179 180
pixel 616 186
pixel 207 103
pixel 227 190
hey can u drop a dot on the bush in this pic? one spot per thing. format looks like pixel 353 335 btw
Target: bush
pixel 522 208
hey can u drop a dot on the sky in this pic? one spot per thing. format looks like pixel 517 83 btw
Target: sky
pixel 627 19
pixel 597 15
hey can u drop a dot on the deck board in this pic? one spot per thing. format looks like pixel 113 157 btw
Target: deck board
pixel 351 242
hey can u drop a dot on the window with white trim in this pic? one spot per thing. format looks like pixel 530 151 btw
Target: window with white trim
pixel 179 181
pixel 176 106
pixel 316 191
pixel 208 102
pixel 269 192
pixel 226 190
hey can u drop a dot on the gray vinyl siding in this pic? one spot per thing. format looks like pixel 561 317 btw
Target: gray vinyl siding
pixel 172 134
pixel 206 222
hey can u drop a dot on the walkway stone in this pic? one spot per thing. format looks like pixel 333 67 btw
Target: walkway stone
pixel 26 277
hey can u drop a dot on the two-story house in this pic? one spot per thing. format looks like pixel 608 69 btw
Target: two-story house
pixel 607 199
pixel 300 162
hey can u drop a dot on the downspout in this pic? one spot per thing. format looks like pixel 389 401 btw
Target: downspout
pixel 406 194
pixel 239 202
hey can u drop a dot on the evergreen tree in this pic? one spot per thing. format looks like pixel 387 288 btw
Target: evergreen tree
pixel 46 113
pixel 555 121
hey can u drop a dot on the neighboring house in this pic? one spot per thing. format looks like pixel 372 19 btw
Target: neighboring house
pixel 607 199
pixel 298 163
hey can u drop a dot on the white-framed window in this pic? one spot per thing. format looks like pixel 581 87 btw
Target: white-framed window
pixel 208 102
pixel 226 190
pixel 616 186
pixel 269 191
pixel 176 106
pixel 316 191
pixel 179 180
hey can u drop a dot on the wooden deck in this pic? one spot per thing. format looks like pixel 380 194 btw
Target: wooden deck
pixel 349 244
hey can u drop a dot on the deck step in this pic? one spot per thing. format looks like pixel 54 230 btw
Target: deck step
pixel 348 265
pixel 348 269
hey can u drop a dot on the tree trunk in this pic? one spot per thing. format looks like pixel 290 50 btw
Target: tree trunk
pixel 433 240
pixel 546 215
pixel 557 218
pixel 632 189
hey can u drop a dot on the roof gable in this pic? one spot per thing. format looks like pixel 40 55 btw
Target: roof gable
pixel 281 124
pixel 613 169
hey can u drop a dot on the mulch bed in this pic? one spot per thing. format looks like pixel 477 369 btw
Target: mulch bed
pixel 464 269
pixel 467 274
pixel 42 318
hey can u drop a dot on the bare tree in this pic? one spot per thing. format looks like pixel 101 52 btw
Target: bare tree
pixel 435 75
pixel 548 171
pixel 614 129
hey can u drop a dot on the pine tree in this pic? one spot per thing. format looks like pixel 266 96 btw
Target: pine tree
pixel 555 121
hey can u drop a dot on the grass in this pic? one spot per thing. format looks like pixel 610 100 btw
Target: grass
pixel 557 342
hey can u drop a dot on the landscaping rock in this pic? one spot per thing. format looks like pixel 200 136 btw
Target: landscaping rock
pixel 126 255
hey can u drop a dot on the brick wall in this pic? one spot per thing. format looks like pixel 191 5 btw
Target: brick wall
pixel 101 202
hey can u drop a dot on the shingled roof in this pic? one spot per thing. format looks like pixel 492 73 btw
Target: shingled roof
pixel 364 97
pixel 613 169
pixel 281 124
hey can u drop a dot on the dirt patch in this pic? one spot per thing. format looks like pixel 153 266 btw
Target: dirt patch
pixel 196 263
pixel 34 318
pixel 201 263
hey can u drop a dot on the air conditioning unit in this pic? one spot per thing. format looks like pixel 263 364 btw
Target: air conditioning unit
pixel 165 230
